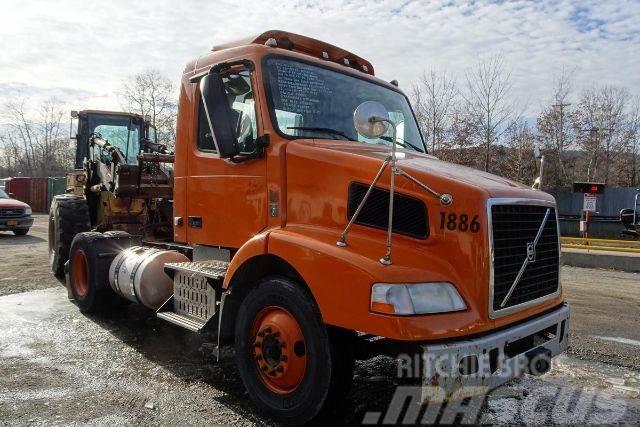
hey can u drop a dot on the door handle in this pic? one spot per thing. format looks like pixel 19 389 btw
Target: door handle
pixel 195 221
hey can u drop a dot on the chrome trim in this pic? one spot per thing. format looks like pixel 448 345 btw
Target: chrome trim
pixel 526 261
pixel 494 314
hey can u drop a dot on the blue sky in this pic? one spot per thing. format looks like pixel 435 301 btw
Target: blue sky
pixel 80 51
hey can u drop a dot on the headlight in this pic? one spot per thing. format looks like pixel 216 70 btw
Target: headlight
pixel 28 211
pixel 418 298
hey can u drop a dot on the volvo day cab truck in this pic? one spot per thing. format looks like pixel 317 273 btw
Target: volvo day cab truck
pixel 311 228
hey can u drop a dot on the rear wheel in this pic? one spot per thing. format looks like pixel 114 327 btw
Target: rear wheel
pixel 89 260
pixel 283 351
pixel 68 216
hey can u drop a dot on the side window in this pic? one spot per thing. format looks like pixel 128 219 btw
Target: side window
pixel 205 141
pixel 239 93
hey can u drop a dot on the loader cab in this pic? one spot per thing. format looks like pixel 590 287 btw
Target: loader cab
pixel 123 130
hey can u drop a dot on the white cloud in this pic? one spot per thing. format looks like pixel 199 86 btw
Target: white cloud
pixel 81 51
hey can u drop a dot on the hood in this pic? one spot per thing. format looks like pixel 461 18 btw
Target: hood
pixel 434 170
pixel 12 203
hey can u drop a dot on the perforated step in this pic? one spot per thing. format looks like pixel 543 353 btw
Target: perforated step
pixel 181 320
pixel 211 269
pixel 193 303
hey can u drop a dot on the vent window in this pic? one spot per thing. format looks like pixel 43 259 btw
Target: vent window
pixel 410 216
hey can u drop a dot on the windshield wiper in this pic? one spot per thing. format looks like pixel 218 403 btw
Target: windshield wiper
pixel 325 130
pixel 403 143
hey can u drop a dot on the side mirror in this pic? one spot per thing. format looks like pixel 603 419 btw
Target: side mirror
pixel 370 118
pixel 219 115
pixel 627 217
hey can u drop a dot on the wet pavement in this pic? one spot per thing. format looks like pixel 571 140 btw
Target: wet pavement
pixel 59 367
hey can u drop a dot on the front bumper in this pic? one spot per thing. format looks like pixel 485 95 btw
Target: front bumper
pixel 470 367
pixel 8 224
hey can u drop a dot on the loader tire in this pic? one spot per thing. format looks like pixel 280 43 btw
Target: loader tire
pixel 68 216
pixel 90 257
pixel 283 352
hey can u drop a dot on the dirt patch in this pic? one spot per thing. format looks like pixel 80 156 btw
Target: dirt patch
pixel 24 265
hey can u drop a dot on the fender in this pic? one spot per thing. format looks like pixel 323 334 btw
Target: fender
pixel 257 245
pixel 340 280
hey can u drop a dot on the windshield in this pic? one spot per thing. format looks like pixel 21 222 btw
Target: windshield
pixel 121 131
pixel 315 102
pixel 3 195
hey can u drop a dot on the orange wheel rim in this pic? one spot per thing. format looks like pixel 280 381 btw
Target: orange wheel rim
pixel 79 273
pixel 279 349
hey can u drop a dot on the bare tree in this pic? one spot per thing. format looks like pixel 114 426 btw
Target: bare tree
pixel 555 131
pixel 152 94
pixel 487 98
pixel 434 97
pixel 459 146
pixel 629 163
pixel 601 125
pixel 520 164
pixel 34 143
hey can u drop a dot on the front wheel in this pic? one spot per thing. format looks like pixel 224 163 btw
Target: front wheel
pixel 21 231
pixel 283 351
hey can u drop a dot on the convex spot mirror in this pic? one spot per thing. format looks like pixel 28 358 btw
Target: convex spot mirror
pixel 219 114
pixel 370 119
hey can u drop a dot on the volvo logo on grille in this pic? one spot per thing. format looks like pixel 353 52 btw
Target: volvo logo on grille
pixel 531 252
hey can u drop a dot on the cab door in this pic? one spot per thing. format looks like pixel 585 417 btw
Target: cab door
pixel 227 201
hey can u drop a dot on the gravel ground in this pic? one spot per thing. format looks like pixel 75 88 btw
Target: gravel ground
pixel 58 367
pixel 25 259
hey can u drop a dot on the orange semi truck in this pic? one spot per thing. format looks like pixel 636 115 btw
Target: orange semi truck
pixel 312 228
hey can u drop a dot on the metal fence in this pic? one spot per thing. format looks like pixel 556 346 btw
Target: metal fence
pixel 608 204
pixel 605 222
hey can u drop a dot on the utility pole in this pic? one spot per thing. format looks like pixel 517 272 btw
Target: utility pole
pixel 559 104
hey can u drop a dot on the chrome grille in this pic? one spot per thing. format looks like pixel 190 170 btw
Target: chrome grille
pixel 11 212
pixel 518 258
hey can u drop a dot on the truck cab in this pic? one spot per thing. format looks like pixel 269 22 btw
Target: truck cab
pixel 310 242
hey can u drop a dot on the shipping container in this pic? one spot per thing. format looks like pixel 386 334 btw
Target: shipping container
pixel 55 185
pixel 32 191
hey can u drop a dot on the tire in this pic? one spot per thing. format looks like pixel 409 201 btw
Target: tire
pixel 284 313
pixel 90 256
pixel 68 216
pixel 21 232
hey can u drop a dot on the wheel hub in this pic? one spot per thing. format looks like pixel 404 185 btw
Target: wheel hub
pixel 279 350
pixel 80 275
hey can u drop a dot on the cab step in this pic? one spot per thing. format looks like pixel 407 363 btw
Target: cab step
pixel 187 322
pixel 196 296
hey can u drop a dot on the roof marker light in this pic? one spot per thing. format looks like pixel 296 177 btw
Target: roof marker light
pixel 325 55
pixel 345 61
pixel 271 42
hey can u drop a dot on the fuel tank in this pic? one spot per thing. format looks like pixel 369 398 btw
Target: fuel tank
pixel 137 274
